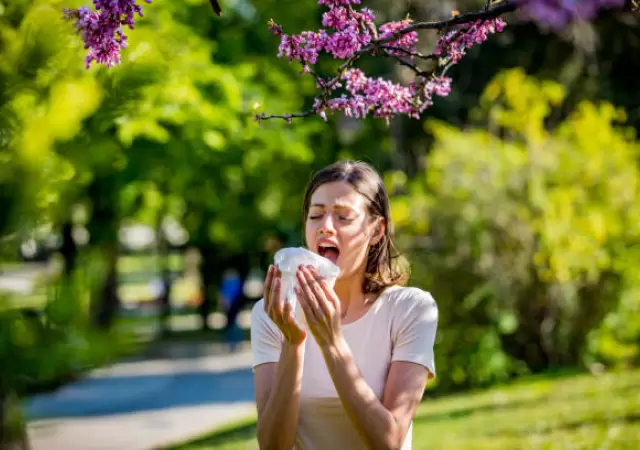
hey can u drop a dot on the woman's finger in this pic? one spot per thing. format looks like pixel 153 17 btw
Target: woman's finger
pixel 302 302
pixel 303 282
pixel 320 291
pixel 267 289
pixel 277 299
pixel 276 306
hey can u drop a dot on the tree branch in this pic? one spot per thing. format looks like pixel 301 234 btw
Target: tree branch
pixel 409 64
pixel 491 10
pixel 410 53
pixel 287 117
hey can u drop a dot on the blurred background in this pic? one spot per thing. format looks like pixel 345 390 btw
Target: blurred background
pixel 141 205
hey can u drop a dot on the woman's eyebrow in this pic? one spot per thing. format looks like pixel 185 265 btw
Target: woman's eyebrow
pixel 336 205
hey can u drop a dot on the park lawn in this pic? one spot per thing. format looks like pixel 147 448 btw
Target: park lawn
pixel 575 412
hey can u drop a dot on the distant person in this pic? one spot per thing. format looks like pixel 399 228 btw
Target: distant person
pixel 232 299
pixel 356 378
pixel 230 288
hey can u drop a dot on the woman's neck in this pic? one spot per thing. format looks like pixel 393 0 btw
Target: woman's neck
pixel 349 291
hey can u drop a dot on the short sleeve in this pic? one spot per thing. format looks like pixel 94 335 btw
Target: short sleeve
pixel 266 338
pixel 414 330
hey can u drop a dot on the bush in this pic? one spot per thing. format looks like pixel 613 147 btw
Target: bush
pixel 524 230
pixel 40 350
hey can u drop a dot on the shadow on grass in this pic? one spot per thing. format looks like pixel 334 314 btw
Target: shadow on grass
pixel 462 413
pixel 571 425
pixel 241 432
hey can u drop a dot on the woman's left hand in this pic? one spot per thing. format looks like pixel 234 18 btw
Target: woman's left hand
pixel 320 305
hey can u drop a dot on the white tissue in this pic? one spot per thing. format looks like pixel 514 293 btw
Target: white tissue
pixel 289 259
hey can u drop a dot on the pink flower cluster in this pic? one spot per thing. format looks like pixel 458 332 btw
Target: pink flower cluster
pixel 383 97
pixel 348 32
pixel 101 30
pixel 559 13
pixel 454 44
pixel 406 41
pixel 352 32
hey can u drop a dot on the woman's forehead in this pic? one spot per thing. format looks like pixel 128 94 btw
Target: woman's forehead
pixel 338 195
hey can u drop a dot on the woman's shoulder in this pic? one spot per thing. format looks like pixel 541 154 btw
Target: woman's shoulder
pixel 258 314
pixel 408 297
pixel 411 310
pixel 261 324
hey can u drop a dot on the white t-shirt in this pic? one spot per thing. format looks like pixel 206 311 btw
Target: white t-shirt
pixel 400 326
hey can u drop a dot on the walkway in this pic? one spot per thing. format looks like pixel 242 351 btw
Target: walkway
pixel 185 390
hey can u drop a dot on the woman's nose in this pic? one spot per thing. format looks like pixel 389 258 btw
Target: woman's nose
pixel 326 226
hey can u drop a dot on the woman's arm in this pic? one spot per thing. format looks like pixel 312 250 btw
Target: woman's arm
pixel 278 384
pixel 382 424
pixel 278 398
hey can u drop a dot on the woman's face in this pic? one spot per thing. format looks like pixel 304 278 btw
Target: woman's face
pixel 339 227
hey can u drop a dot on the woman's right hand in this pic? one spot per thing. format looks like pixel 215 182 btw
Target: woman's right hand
pixel 280 312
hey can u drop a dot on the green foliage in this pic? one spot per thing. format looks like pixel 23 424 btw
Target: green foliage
pixel 530 231
pixel 170 132
pixel 41 350
pixel 171 128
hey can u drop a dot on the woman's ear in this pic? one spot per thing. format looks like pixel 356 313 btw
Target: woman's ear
pixel 379 230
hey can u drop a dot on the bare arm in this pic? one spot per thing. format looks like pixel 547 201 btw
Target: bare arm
pixel 382 424
pixel 278 399
pixel 278 384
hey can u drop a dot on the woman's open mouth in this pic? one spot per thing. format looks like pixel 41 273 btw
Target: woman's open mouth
pixel 329 251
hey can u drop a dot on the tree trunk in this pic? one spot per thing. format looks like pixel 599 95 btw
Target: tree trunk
pixel 108 301
pixel 69 250
pixel 13 431
pixel 528 342
pixel 209 276
pixel 595 301
pixel 165 298
pixel 103 229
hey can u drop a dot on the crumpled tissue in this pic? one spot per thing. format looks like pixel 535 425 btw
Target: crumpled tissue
pixel 289 259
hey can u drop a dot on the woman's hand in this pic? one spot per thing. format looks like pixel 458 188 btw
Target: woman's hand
pixel 321 306
pixel 280 312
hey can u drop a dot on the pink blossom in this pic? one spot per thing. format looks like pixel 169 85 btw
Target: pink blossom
pixel 337 18
pixel 101 30
pixel 454 44
pixel 406 41
pixel 332 3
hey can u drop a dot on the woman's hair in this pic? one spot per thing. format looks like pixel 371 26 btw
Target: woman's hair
pixel 385 266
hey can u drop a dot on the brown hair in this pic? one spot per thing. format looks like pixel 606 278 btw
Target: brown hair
pixel 385 266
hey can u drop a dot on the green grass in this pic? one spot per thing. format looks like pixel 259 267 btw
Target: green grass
pixel 577 412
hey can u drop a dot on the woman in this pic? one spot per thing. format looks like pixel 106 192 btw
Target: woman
pixel 353 375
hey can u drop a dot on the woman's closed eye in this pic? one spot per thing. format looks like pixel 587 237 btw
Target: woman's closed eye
pixel 341 217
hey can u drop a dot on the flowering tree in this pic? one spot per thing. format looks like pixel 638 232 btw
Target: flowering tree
pixel 348 34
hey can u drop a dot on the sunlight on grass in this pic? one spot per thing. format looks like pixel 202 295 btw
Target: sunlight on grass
pixel 580 412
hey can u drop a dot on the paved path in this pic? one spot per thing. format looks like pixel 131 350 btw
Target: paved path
pixel 182 391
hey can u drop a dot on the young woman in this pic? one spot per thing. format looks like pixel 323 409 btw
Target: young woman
pixel 348 369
